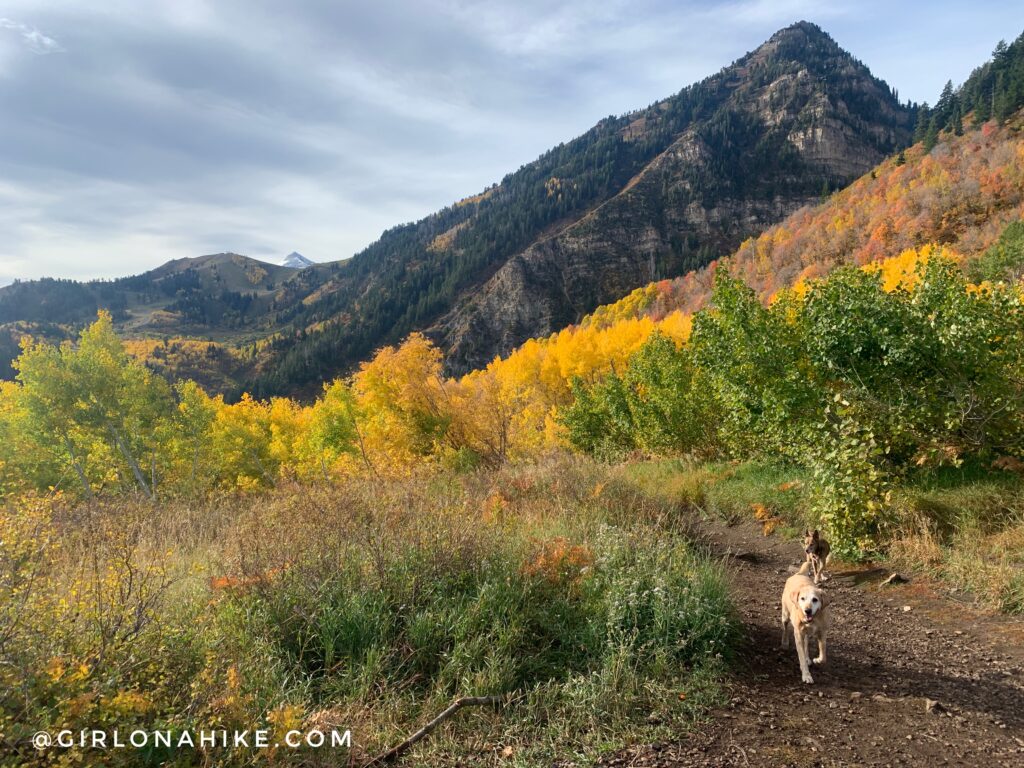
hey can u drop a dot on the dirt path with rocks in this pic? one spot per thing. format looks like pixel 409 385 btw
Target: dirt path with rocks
pixel 913 678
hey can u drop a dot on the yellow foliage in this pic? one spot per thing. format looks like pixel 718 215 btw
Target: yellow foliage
pixel 397 412
pixel 494 507
pixel 444 241
pixel 402 396
pixel 473 199
pixel 903 271
pixel 130 703
pixel 535 379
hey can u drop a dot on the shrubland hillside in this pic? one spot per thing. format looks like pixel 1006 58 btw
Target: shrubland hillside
pixel 962 194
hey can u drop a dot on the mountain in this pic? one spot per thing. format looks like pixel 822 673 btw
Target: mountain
pixel 648 195
pixel 296 260
pixel 216 293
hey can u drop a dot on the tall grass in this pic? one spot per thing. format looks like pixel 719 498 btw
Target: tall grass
pixel 370 606
pixel 733 491
pixel 966 527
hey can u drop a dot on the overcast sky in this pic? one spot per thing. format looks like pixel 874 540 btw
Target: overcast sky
pixel 136 132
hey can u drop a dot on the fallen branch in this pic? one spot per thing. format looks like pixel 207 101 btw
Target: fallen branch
pixel 466 701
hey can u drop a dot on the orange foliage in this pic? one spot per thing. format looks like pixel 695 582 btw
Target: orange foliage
pixel 962 194
pixel 560 562
pixel 242 583
pixel 768 519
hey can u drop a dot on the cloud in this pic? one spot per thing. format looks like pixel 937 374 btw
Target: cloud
pixel 35 40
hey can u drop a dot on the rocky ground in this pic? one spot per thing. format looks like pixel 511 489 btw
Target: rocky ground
pixel 913 678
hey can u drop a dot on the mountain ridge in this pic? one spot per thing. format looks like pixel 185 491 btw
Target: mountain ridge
pixel 188 285
pixel 399 287
pixel 532 273
pixel 649 194
pixel 296 260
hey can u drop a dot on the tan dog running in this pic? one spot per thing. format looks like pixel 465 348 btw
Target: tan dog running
pixel 804 606
pixel 817 551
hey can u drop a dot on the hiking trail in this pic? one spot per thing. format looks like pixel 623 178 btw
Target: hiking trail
pixel 914 677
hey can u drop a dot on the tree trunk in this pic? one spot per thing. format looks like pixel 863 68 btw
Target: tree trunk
pixel 78 467
pixel 132 463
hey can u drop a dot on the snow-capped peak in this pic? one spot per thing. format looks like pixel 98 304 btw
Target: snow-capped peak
pixel 296 260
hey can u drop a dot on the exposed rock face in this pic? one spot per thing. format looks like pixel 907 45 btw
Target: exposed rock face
pixel 801 115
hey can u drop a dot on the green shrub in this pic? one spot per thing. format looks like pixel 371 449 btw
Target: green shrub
pixel 659 406
pixel 519 614
pixel 857 383
pixel 1004 260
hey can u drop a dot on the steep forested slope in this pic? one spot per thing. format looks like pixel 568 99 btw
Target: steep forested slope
pixel 649 194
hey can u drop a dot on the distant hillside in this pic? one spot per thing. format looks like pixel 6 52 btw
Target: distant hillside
pixel 219 292
pixel 225 298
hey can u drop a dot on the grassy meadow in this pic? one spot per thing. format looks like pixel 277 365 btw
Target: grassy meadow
pixel 366 605
pixel 961 525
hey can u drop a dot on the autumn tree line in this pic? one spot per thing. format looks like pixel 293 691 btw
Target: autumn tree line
pixel 88 417
pixel 861 377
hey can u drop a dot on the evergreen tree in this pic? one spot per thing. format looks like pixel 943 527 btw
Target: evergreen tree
pixel 931 137
pixel 946 104
pixel 921 127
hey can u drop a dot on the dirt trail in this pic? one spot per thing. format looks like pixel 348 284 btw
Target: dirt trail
pixel 891 648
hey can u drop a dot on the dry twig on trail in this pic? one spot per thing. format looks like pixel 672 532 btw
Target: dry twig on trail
pixel 466 701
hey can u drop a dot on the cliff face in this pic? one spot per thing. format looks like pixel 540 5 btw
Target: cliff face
pixel 798 116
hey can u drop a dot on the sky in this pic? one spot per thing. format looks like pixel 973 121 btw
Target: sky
pixel 133 133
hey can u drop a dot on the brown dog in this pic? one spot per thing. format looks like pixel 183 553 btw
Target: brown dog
pixel 804 606
pixel 817 551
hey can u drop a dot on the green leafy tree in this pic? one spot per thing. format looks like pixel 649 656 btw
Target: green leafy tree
pixel 753 357
pixel 599 420
pixel 92 396
pixel 332 431
pixel 195 459
pixel 1004 260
